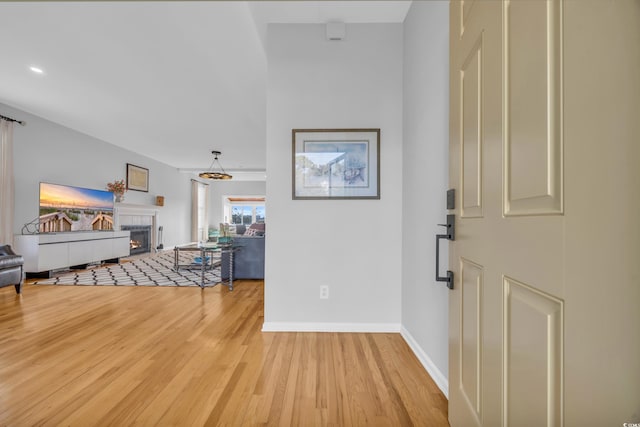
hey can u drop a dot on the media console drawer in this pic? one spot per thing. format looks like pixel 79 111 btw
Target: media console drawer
pixel 46 252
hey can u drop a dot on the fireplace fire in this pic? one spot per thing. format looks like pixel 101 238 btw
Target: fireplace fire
pixel 135 244
pixel 140 242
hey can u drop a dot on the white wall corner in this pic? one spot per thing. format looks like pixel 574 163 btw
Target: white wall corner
pixel 330 327
pixel 438 377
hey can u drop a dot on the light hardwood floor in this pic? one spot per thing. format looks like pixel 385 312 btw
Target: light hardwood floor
pixel 84 356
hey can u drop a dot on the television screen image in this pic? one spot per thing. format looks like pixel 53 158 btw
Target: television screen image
pixel 68 208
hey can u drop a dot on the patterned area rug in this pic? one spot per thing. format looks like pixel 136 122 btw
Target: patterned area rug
pixel 155 270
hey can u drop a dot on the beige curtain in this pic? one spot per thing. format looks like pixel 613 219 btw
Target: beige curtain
pixel 6 182
pixel 199 211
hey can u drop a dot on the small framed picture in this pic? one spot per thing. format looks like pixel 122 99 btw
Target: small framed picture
pixel 336 164
pixel 137 178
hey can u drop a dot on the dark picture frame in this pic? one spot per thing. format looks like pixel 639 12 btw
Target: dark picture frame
pixel 335 164
pixel 137 178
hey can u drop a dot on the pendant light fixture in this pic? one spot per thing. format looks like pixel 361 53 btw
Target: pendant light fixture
pixel 211 173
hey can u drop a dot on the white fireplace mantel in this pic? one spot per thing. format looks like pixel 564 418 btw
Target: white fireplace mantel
pixel 134 214
pixel 135 207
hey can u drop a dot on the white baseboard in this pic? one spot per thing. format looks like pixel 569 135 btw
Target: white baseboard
pixel 329 327
pixel 438 377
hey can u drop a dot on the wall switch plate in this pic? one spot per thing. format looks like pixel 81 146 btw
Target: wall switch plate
pixel 324 292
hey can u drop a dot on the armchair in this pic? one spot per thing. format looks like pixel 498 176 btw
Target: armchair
pixel 11 268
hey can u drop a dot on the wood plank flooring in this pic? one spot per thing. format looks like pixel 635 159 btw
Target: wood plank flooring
pixel 119 356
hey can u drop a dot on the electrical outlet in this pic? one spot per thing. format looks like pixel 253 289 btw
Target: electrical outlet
pixel 324 292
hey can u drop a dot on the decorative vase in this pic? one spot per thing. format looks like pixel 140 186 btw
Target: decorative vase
pixel 119 198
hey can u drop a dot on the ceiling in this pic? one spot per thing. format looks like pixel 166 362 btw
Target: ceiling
pixel 170 80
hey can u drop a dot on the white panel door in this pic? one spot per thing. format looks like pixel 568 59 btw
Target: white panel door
pixel 544 149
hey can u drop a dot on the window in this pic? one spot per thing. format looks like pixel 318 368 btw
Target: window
pixel 247 214
pixel 244 209
pixel 199 213
pixel 259 214
pixel 241 214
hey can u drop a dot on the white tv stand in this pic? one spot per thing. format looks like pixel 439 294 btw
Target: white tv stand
pixel 52 251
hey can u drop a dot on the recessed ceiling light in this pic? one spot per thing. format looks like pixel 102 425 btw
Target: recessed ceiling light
pixel 36 70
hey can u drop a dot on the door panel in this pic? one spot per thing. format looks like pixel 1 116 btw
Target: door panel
pixel 543 152
pixel 465 8
pixel 532 356
pixel 532 40
pixel 471 131
pixel 471 336
pixel 475 166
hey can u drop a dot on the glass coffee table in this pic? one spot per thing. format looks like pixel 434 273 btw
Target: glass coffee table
pixel 206 251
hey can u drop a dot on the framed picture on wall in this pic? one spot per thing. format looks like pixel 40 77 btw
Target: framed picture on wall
pixel 137 178
pixel 336 164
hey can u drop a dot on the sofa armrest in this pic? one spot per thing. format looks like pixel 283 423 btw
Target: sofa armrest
pixel 248 261
pixel 9 259
pixel 6 250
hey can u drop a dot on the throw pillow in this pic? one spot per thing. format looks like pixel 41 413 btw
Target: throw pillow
pixel 250 232
pixel 260 226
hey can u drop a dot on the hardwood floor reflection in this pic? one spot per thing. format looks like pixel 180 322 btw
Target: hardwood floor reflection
pixel 111 355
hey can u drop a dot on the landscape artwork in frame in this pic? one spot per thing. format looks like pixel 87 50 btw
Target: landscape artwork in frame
pixel 137 178
pixel 336 163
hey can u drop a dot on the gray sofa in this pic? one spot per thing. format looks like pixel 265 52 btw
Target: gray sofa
pixel 248 260
pixel 11 268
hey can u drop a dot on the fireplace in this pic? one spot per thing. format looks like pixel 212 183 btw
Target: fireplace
pixel 140 242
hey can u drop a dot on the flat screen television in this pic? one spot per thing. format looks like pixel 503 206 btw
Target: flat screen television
pixel 66 208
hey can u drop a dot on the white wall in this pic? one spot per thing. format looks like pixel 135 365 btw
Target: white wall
pixel 351 245
pixel 48 152
pixel 218 189
pixel 425 175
